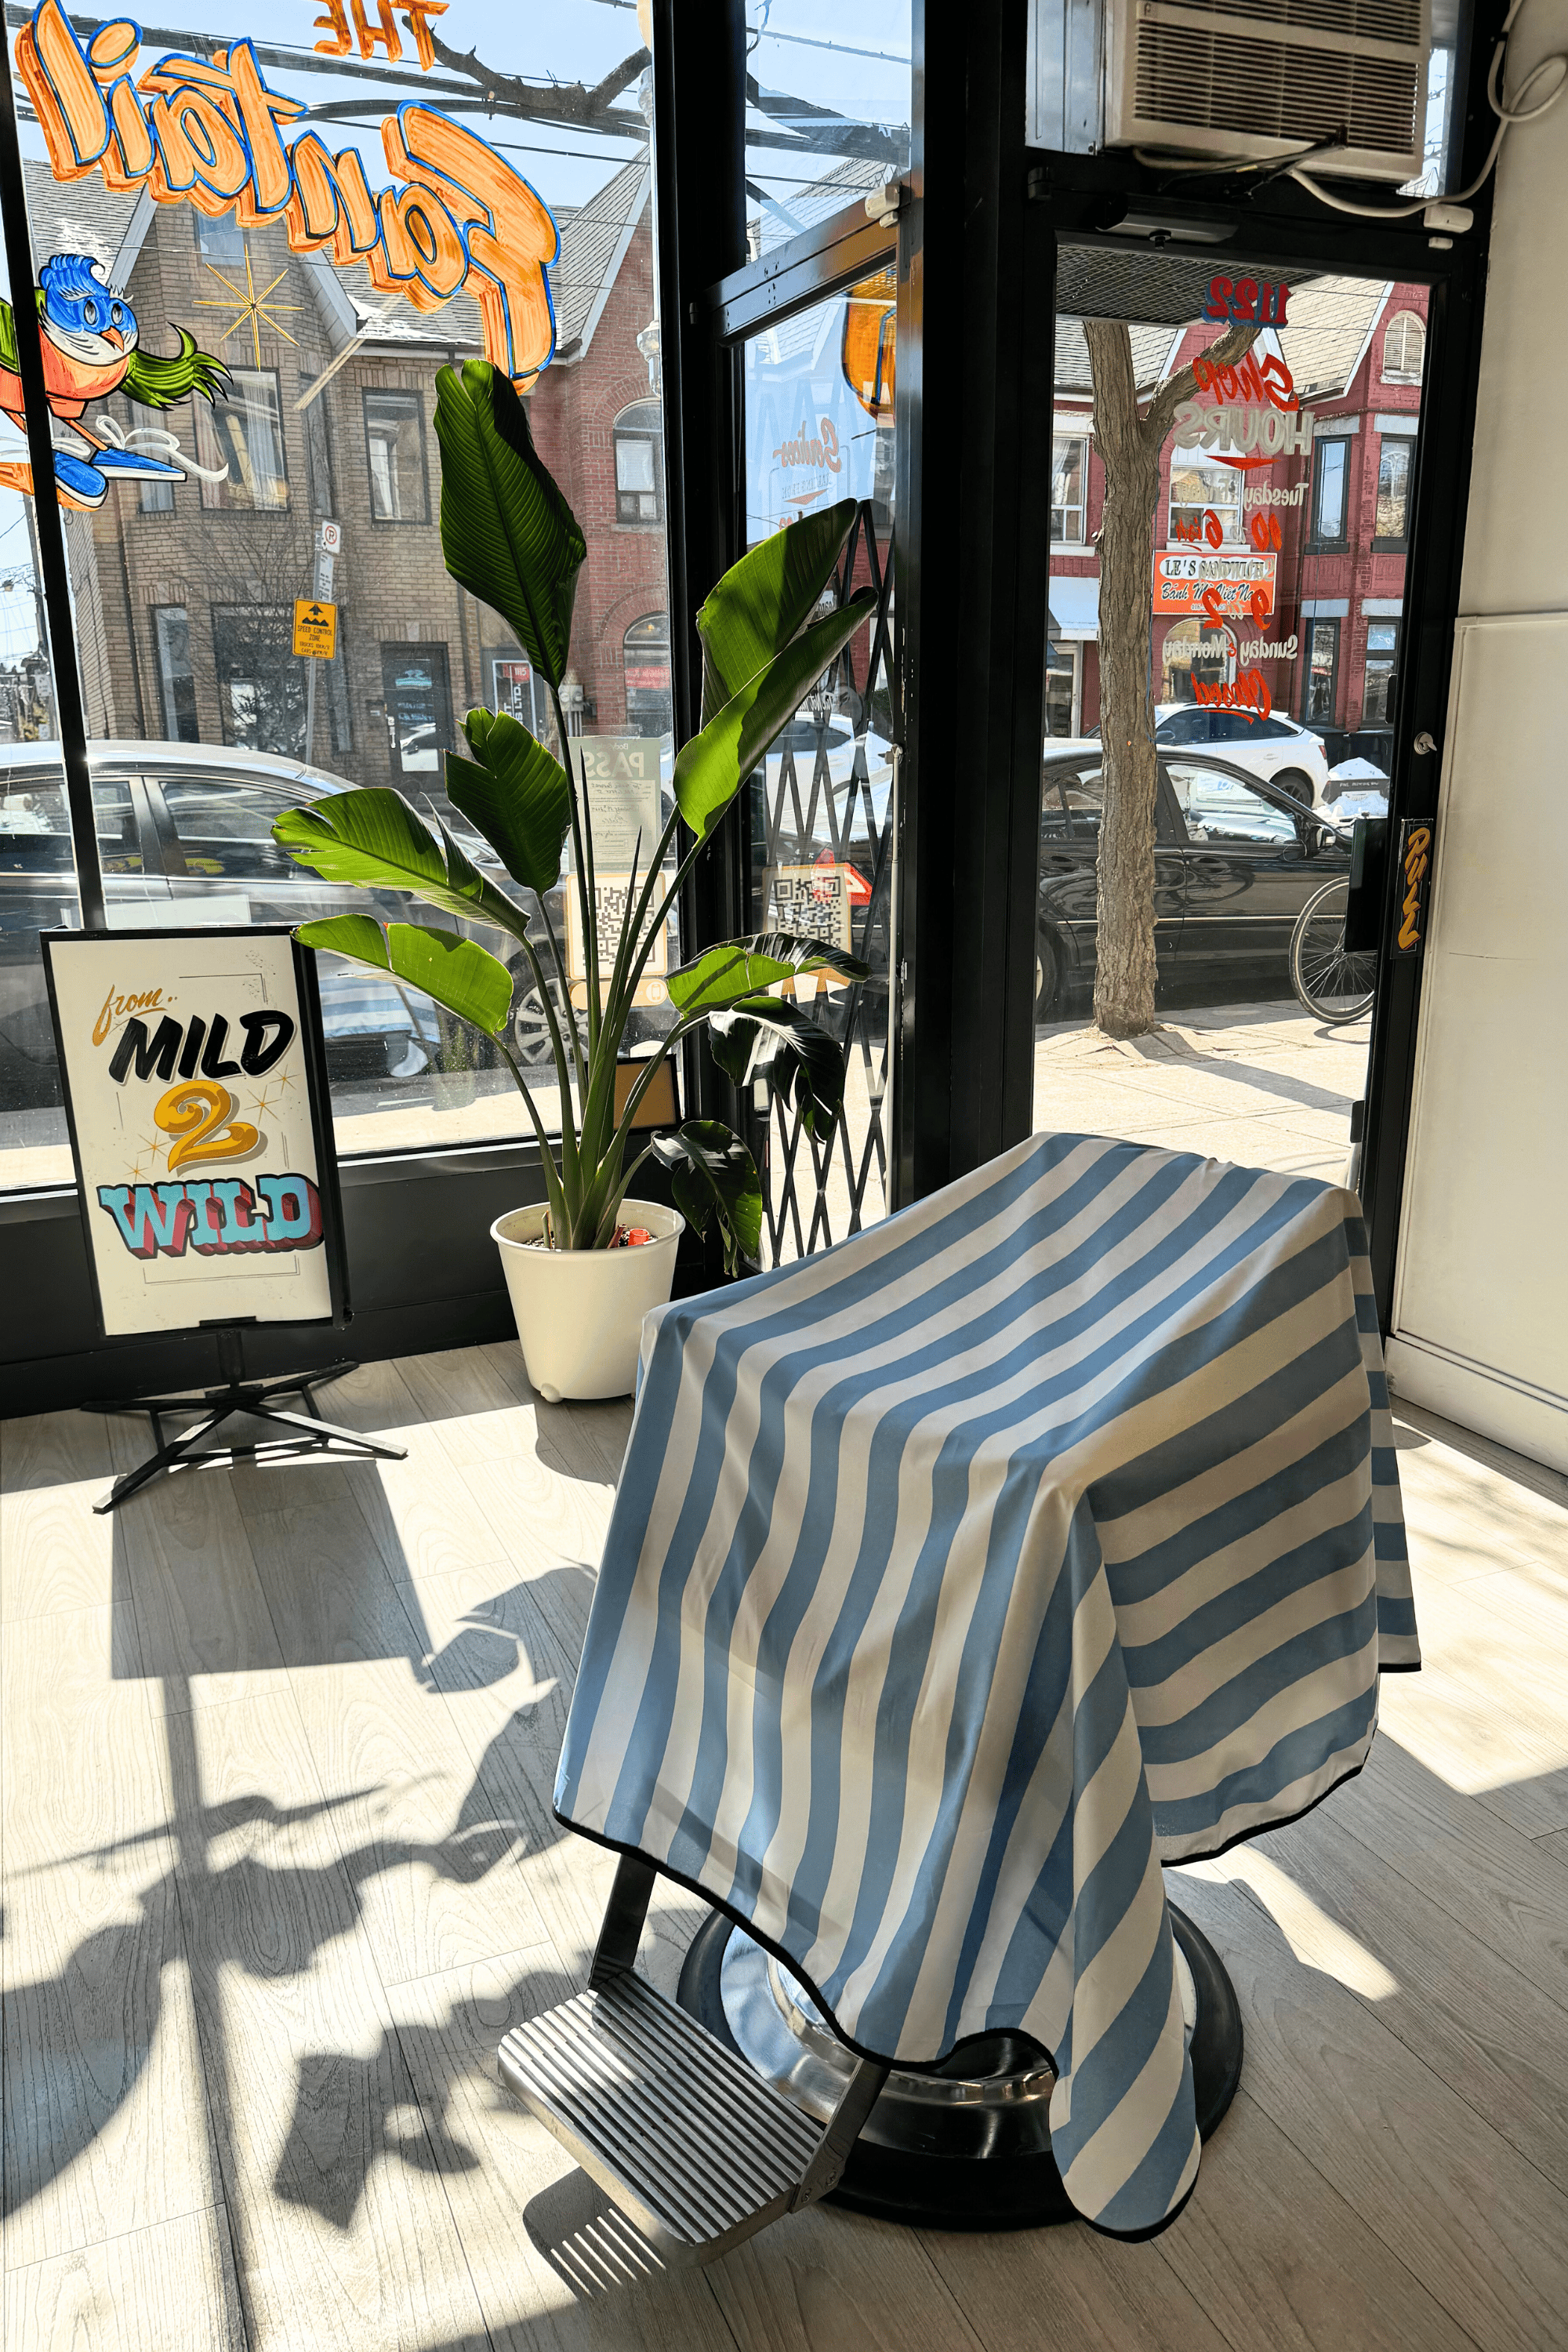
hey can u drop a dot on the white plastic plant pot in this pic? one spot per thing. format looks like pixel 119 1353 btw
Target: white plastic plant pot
pixel 580 1312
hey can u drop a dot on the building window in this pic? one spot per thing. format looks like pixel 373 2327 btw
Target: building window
pixel 261 684
pixel 1198 490
pixel 1393 523
pixel 317 450
pixel 418 708
pixel 1061 689
pixel 649 710
pixel 1322 668
pixel 1069 469
pixel 1195 653
pixel 221 241
pixel 639 464
pixel 176 683
pixel 243 429
pixel 1405 349
pixel 1382 667
pixel 395 443
pixel 1331 472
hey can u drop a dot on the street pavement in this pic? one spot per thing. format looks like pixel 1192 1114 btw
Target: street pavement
pixel 1264 1086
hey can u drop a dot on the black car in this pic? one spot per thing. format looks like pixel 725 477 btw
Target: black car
pixel 1236 860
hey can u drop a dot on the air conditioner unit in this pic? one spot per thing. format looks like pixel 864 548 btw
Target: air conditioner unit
pixel 1259 80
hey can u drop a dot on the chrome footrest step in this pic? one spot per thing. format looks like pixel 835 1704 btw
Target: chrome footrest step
pixel 689 2143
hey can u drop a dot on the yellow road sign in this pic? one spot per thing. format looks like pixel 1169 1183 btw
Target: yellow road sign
pixel 315 629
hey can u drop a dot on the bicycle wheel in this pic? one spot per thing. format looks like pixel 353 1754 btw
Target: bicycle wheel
pixel 1335 986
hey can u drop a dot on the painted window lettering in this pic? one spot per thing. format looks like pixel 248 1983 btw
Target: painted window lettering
pixel 208 132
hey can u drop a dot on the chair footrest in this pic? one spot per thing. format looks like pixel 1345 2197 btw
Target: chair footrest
pixel 689 2143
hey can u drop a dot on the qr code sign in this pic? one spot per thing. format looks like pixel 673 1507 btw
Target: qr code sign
pixel 611 902
pixel 813 900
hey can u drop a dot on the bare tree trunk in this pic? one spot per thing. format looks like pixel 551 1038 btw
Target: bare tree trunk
pixel 1130 448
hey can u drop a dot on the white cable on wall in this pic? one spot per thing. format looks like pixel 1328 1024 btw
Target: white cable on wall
pixel 1520 110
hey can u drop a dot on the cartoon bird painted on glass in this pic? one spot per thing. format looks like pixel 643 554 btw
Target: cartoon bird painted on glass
pixel 91 348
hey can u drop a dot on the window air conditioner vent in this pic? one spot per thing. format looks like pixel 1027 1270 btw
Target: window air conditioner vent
pixel 1259 80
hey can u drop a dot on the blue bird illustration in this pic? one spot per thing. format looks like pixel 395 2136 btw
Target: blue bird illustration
pixel 92 348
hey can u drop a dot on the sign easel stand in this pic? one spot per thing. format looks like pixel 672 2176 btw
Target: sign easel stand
pixel 302 1432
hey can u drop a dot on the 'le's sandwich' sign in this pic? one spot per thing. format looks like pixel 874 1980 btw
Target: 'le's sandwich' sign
pixel 191 1067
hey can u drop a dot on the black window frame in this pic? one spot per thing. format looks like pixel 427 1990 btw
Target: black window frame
pixel 1381 621
pixel 1310 622
pixel 621 431
pixel 1389 544
pixel 1318 539
pixel 415 400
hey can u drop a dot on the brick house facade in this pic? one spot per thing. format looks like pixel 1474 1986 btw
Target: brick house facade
pixel 185 592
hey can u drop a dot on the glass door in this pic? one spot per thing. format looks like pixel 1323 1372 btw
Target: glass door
pixel 1234 462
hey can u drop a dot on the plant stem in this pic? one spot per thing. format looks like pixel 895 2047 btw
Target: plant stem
pixel 551 1180
pixel 583 846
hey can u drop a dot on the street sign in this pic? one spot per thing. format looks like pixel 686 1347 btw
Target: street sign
pixel 325 566
pixel 330 538
pixel 315 630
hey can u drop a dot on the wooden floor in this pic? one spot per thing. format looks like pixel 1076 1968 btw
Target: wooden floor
pixel 280 1871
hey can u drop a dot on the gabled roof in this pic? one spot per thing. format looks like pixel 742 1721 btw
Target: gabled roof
pixel 82 216
pixel 1330 320
pixel 1152 348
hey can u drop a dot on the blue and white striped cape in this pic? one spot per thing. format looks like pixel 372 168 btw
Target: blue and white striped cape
pixel 962 1575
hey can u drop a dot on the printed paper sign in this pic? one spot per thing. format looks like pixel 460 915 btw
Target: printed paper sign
pixel 1182 581
pixel 612 899
pixel 187 1084
pixel 815 901
pixel 619 775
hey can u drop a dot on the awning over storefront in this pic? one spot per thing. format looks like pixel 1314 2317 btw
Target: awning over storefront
pixel 1075 608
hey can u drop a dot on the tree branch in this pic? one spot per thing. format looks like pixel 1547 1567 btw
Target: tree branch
pixel 1233 345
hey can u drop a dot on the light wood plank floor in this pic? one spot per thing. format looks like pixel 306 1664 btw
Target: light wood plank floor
pixel 278 1870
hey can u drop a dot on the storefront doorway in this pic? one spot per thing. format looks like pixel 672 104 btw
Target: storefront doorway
pixel 1263 611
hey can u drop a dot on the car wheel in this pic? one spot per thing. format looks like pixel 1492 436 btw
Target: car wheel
pixel 1047 977
pixel 1300 786
pixel 530 1040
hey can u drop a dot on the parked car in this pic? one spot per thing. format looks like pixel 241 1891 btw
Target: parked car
pixel 1278 748
pixel 186 837
pixel 1235 859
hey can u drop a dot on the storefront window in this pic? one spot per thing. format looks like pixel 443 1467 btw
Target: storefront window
pixel 374 214
pixel 1264 615
pixel 819 430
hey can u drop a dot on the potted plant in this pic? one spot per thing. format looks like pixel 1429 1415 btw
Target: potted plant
pixel 586 1264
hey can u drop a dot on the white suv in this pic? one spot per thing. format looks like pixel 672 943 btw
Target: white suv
pixel 1278 749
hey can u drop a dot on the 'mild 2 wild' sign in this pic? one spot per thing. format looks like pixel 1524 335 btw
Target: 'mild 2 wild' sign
pixel 189 1062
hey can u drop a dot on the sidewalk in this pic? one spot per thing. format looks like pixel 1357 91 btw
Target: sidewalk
pixel 1266 1086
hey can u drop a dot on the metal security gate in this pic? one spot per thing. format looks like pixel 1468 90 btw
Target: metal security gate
pixel 824 822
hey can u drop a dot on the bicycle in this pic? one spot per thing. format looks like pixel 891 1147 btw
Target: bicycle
pixel 1336 986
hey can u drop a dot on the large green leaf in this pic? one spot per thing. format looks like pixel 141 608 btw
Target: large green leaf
pixel 374 839
pixel 710 769
pixel 763 602
pixel 714 1176
pixel 507 533
pixel 459 974
pixel 720 976
pixel 773 1035
pixel 517 795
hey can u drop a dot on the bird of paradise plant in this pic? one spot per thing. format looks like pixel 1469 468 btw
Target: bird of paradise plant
pixel 511 539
